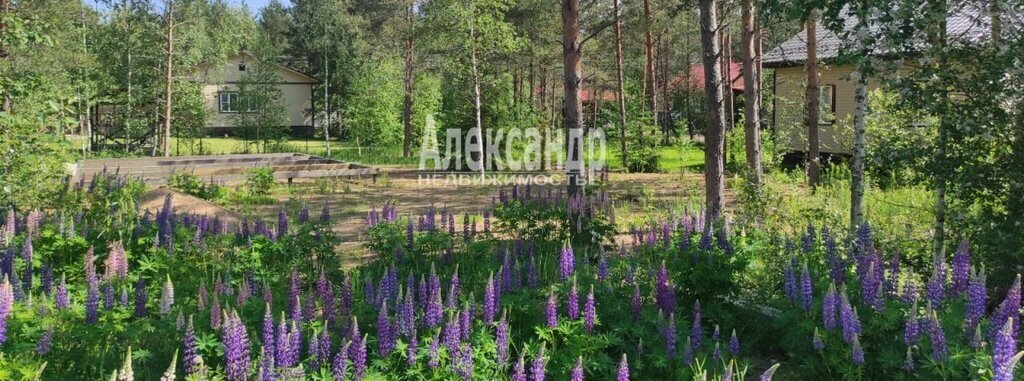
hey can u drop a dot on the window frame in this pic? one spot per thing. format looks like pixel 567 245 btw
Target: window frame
pixel 230 109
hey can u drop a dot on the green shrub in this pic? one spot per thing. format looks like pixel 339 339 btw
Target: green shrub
pixel 191 184
pixel 260 181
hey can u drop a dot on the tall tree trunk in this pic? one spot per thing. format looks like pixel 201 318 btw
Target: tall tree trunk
pixel 812 99
pixel 5 9
pixel 751 97
pixel 649 51
pixel 995 12
pixel 573 80
pixel 620 93
pixel 166 141
pixel 727 104
pixel 476 90
pixel 714 141
pixel 860 102
pixel 938 37
pixel 407 101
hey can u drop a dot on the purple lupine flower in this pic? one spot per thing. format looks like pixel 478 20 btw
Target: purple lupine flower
pixel 268 330
pixel 359 360
pixel 235 340
pixel 665 295
pixel 602 268
pixel 938 338
pixel 688 352
pixel 407 315
pixel 1003 351
pixel 976 295
pixel 716 335
pixel 489 300
pixel 908 361
pixel 62 293
pixel 190 349
pixel 911 327
pixel 282 224
pixel 282 346
pixel 961 268
pixel 734 344
pixel 806 290
pixel 828 308
pixel 537 368
pixel 433 358
pixel 433 315
pixel 769 373
pixel 716 354
pixel 452 332
pixel 141 297
pixel 340 363
pixel 44 343
pixel 1008 309
pixel 696 333
pixel 167 297
pixel 6 303
pixel 501 338
pixel 567 262
pixel 789 282
pixel 589 311
pixel 576 374
pixel 636 302
pixel 572 302
pixel 669 333
pixel 266 370
pixel 294 291
pixel 531 272
pixel 215 312
pixel 465 321
pixel 47 279
pixel 857 353
pixel 847 318
pixel 519 370
pixel 412 348
pixel 551 310
pixel 384 334
pixel 936 285
pixel 816 342
pixel 623 373
pixel 108 296
pixel 26 256
pixel 892 283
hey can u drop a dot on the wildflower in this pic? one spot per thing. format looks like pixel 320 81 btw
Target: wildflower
pixel 696 333
pixel 961 268
pixel 384 334
pixel 976 295
pixel 1008 309
pixel 116 262
pixel 43 345
pixel 908 361
pixel 828 307
pixel 411 348
pixel 340 363
pixel 433 311
pixel 589 312
pixel 734 344
pixel 61 297
pixel 576 374
pixel 501 338
pixel 489 300
pixel 847 319
pixel 857 353
pixel 938 338
pixel 567 262
pixel 636 302
pixel 789 281
pixel 141 297
pixel 573 301
pixel 172 371
pixel 433 358
pixel 167 297
pixel 806 291
pixel 1004 349
pixel 519 370
pixel 816 342
pixel 688 352
pixel 551 310
pixel 623 372
pixel 537 370
pixel 359 359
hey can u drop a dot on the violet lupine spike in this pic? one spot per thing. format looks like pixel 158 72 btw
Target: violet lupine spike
pixel 412 348
pixel 519 370
pixel 501 340
pixel 537 368
pixel 622 374
pixel 734 344
pixel 282 224
pixel 856 352
pixel 6 303
pixel 61 298
pixel 696 332
pixel 816 342
pixel 268 330
pixel 847 318
pixel 531 272
pixel 572 301
pixel 806 289
pixel 567 262
pixel 1004 349
pixel 551 310
pixel 938 339
pixel 911 327
pixel 936 286
pixel 384 342
pixel 141 297
pixel 433 358
pixel 961 268
pixel 1008 309
pixel 589 311
pixel 789 282
pixel 190 350
pixel 26 256
pixel 167 297
pixel 636 302
pixel 602 268
pixel 434 311
pixel 976 299
pixel 47 279
pixel 670 335
pixel 576 374
pixel 44 343
pixel 828 308
pixel 489 300
pixel 325 213
pixel 908 361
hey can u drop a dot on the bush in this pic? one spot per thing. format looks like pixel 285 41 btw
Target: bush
pixel 190 184
pixel 259 181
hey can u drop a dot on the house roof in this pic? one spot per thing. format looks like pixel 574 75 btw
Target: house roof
pixel 967 23
pixel 696 80
pixel 281 66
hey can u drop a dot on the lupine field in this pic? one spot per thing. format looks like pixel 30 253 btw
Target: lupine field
pixel 536 286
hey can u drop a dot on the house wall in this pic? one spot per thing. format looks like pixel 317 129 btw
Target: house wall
pixel 789 105
pixel 296 89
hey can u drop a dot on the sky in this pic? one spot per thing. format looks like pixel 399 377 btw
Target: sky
pixel 256 5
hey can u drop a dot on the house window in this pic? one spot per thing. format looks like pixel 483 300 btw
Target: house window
pixel 229 102
pixel 827 104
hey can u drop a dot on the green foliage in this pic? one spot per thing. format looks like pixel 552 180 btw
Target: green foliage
pixel 372 112
pixel 643 152
pixel 259 181
pixel 191 184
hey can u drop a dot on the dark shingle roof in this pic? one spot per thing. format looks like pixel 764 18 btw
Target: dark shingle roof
pixel 968 23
